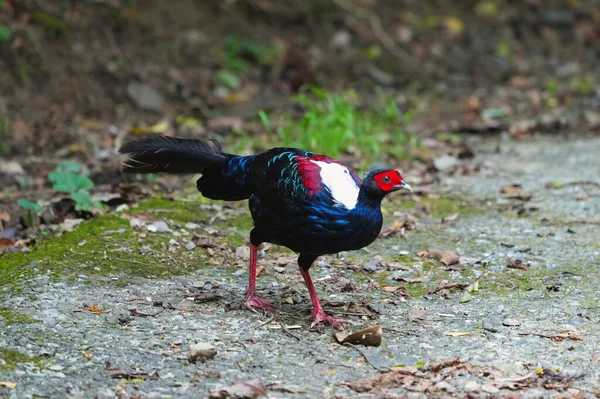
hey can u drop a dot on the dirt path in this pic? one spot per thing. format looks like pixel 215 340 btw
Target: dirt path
pixel 52 347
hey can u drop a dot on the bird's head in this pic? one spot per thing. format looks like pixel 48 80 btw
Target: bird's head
pixel 381 182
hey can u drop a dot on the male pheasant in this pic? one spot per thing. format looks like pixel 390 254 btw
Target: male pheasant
pixel 309 203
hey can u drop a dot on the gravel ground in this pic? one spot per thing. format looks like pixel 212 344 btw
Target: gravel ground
pixel 68 352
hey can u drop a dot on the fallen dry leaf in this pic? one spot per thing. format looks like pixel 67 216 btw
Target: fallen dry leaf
pixel 141 313
pixel 594 358
pixel 457 334
pixel 9 385
pixel 390 379
pixel 516 264
pixel 240 390
pixel 417 314
pixel 6 242
pixel 438 366
pixel 398 290
pixel 571 335
pixel 370 336
pixel 93 309
pixel 447 258
pixel 447 286
pixel 4 216
pixel 122 373
pixel 395 227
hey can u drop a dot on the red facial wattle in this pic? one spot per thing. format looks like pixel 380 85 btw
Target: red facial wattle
pixel 388 180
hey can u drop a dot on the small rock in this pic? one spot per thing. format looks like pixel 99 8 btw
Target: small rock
pixel 279 269
pixel 190 246
pixel 341 39
pixel 192 226
pixel 445 162
pixel 144 250
pixel 511 322
pixel 444 386
pixel 11 168
pixel 239 272
pixel 202 351
pixel 371 265
pixel 145 97
pixel 159 227
pixel 472 386
pixel 243 251
pixel 489 388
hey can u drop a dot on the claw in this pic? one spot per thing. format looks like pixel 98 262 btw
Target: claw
pixel 321 316
pixel 253 302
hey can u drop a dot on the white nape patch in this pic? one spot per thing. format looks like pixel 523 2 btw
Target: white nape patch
pixel 337 178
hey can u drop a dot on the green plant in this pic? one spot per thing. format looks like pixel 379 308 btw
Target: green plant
pixel 70 177
pixel 33 208
pixel 332 123
pixel 5 33
pixel 238 52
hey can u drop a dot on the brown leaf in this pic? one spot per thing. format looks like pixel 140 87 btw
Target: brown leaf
pixel 141 313
pixel 9 385
pixel 240 390
pixel 122 373
pixel 447 258
pixel 447 286
pixel 370 336
pixel 395 227
pixel 512 190
pixel 6 242
pixel 438 366
pixel 516 264
pixel 4 217
pixel 571 335
pixel 398 290
pixel 391 379
pixel 594 358
pixel 93 309
pixel 415 314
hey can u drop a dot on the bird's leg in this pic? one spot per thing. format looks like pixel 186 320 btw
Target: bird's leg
pixel 252 301
pixel 318 312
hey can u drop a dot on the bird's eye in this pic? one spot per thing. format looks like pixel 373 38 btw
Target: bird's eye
pixel 386 179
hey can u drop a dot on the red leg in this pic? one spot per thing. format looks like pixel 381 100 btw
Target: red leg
pixel 318 312
pixel 252 301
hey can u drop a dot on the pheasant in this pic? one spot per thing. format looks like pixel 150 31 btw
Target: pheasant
pixel 309 203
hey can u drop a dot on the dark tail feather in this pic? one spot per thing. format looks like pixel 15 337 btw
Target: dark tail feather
pixel 162 154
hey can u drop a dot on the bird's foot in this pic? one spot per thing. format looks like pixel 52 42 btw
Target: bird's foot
pixel 321 316
pixel 253 302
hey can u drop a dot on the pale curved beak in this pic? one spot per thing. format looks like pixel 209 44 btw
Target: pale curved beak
pixel 403 186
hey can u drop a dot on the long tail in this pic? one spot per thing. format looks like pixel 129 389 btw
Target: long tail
pixel 224 176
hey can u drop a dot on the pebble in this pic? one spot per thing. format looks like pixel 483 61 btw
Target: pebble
pixel 445 162
pixel 489 388
pixel 190 246
pixel 144 249
pixel 243 251
pixel 159 227
pixel 511 322
pixel 472 386
pixel 202 351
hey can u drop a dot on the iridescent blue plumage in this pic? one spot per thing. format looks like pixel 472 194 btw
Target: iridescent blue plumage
pixel 307 202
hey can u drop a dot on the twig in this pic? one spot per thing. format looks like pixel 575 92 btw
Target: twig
pixel 113 43
pixel 266 322
pixel 365 356
pixel 284 328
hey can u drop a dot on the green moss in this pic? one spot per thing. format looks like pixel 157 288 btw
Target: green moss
pixel 13 317
pixel 13 358
pixel 438 207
